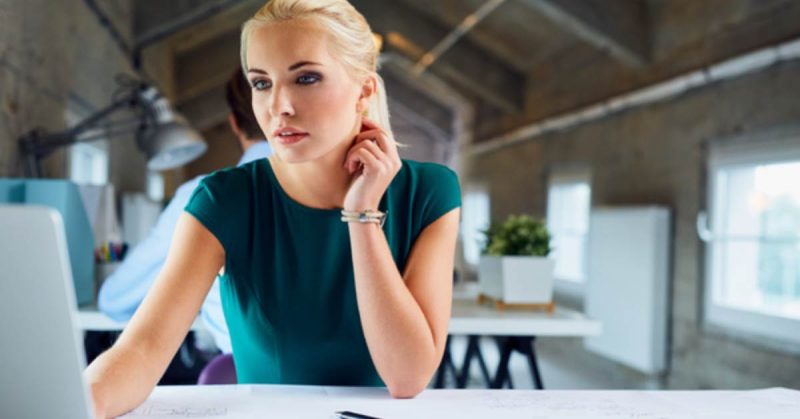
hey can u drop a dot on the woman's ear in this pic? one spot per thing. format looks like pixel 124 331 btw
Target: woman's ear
pixel 368 89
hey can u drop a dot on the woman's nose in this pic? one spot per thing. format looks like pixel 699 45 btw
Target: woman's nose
pixel 281 102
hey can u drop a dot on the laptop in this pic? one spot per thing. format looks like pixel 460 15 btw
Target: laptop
pixel 41 349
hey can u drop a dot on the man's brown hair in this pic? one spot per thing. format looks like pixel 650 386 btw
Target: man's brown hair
pixel 238 92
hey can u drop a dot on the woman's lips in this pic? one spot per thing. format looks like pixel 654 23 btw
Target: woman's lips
pixel 291 139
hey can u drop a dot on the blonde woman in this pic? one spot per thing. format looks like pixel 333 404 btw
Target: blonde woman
pixel 338 255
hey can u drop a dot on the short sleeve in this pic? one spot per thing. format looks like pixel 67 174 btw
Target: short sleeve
pixel 440 192
pixel 213 203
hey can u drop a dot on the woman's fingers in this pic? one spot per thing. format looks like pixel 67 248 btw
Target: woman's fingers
pixel 373 138
pixel 380 136
pixel 369 124
pixel 370 161
pixel 353 156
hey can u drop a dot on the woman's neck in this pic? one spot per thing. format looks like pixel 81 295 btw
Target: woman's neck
pixel 321 183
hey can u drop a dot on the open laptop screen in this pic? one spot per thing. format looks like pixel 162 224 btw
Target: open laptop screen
pixel 41 354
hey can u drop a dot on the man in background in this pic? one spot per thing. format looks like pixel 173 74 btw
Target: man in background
pixel 123 291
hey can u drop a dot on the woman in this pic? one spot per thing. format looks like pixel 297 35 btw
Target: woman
pixel 338 256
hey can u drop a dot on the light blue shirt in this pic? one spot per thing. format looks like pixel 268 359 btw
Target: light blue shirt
pixel 123 291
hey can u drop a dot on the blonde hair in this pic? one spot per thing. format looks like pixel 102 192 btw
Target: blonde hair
pixel 351 38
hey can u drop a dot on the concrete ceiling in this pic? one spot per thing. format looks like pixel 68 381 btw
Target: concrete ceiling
pixel 524 61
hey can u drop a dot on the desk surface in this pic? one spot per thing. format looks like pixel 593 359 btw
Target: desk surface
pixel 234 402
pixel 471 318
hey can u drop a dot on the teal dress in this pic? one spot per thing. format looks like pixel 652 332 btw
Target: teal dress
pixel 288 292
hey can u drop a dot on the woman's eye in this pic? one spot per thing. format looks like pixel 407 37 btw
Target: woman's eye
pixel 308 79
pixel 261 84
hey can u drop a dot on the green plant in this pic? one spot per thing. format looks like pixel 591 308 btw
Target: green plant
pixel 519 235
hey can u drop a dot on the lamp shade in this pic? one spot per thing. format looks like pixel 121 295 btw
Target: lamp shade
pixel 167 139
pixel 172 145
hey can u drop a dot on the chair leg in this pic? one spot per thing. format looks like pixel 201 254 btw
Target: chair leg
pixel 447 362
pixel 502 376
pixel 473 351
pixel 442 370
pixel 528 348
pixel 482 363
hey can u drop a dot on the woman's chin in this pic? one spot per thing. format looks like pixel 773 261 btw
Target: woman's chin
pixel 294 156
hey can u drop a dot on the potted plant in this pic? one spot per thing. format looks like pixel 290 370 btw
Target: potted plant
pixel 514 268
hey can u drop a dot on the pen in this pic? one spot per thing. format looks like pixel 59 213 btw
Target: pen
pixel 353 415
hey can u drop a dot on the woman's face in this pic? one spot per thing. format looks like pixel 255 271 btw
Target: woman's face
pixel 303 98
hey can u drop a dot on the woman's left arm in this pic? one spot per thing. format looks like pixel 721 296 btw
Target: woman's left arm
pixel 405 317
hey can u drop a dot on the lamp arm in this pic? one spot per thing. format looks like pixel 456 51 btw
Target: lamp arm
pixel 42 144
pixel 36 145
pixel 70 136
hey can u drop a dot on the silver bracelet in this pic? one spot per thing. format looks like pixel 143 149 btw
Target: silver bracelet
pixel 368 216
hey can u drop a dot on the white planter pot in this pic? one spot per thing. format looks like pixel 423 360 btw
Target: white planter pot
pixel 517 279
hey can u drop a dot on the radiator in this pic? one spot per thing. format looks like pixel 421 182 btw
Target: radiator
pixel 628 285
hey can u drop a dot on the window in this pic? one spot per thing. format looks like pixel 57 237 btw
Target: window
pixel 88 162
pixel 475 218
pixel 568 207
pixel 155 186
pixel 753 266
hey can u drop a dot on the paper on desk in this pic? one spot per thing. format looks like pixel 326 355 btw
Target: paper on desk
pixel 229 402
pixel 321 402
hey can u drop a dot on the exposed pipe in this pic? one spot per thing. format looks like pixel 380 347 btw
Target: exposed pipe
pixel 734 67
pixel 109 26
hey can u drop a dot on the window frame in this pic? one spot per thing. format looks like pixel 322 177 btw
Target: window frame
pixel 777 146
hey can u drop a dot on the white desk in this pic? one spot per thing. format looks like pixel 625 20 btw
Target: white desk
pixel 514 330
pixel 470 318
pixel 299 402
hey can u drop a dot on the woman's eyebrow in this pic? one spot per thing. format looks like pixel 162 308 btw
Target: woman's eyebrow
pixel 295 66
pixel 292 67
pixel 256 70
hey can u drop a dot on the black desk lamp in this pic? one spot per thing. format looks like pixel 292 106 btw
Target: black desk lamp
pixel 164 136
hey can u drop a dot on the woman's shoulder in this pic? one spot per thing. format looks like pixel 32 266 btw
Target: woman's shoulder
pixel 232 178
pixel 432 189
pixel 426 174
pixel 222 200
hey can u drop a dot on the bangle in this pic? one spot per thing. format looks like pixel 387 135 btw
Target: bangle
pixel 368 216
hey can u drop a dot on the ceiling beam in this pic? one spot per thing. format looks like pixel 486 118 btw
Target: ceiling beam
pixel 619 26
pixel 465 65
pixel 188 19
pixel 456 34
pixel 231 19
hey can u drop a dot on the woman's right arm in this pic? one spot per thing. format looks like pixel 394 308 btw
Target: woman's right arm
pixel 122 377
